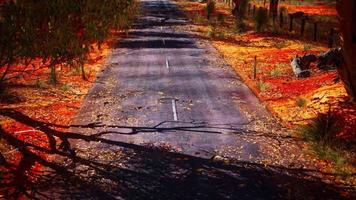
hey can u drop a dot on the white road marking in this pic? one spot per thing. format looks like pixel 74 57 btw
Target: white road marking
pixel 167 63
pixel 174 108
pixel 164 42
pixel 161 28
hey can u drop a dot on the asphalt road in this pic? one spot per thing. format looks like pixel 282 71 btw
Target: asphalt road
pixel 164 87
pixel 167 119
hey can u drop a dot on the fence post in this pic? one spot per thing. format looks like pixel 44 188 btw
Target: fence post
pixel 255 68
pixel 315 31
pixel 331 38
pixel 281 19
pixel 249 9
pixel 254 10
pixel 302 28
pixel 291 23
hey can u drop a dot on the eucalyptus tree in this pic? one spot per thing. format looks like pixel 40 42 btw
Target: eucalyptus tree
pixel 57 31
pixel 347 18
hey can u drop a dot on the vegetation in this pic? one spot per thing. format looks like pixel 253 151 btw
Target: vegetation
pixel 242 14
pixel 322 133
pixel 281 44
pixel 210 8
pixel 56 32
pixel 301 102
pixel 347 72
pixel 323 130
pixel 261 19
pixel 275 71
pixel 262 86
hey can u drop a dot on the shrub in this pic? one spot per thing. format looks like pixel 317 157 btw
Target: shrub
pixel 301 102
pixel 242 11
pixel 3 90
pixel 275 72
pixel 40 84
pixel 32 30
pixel 261 19
pixel 323 129
pixel 221 18
pixel 66 87
pixel 307 47
pixel 322 133
pixel 281 44
pixel 198 18
pixel 262 86
pixel 210 8
pixel 211 32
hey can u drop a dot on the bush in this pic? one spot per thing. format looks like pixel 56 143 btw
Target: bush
pixel 221 18
pixel 3 90
pixel 66 87
pixel 40 84
pixel 261 19
pixel 307 47
pixel 262 86
pixel 242 11
pixel 210 8
pixel 322 133
pixel 198 18
pixel 212 32
pixel 301 102
pixel 59 32
pixel 275 72
pixel 280 45
pixel 323 129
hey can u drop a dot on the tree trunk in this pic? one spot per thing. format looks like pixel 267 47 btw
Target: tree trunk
pixel 273 8
pixel 84 77
pixel 236 7
pixel 347 18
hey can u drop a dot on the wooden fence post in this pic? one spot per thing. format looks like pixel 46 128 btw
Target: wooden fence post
pixel 255 68
pixel 302 27
pixel 249 9
pixel 281 19
pixel 254 10
pixel 291 23
pixel 331 38
pixel 315 31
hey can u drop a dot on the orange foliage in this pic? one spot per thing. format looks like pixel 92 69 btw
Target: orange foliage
pixel 283 89
pixel 313 10
pixel 51 105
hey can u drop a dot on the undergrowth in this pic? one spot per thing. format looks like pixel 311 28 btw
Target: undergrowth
pixel 322 134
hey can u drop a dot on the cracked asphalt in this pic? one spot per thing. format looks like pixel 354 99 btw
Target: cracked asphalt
pixel 168 119
pixel 161 78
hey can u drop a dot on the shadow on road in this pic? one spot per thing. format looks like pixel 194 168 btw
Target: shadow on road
pixel 106 169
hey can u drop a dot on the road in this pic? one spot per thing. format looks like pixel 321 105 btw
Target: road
pixel 167 119
pixel 170 86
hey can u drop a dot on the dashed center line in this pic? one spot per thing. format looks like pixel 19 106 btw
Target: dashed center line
pixel 164 42
pixel 174 108
pixel 167 63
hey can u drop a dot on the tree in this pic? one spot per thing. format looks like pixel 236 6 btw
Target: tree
pixel 347 71
pixel 58 32
pixel 273 8
pixel 236 7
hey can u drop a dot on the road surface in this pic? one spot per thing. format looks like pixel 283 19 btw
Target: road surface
pixel 165 87
pixel 167 119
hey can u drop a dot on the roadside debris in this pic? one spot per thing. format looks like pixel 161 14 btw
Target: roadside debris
pixel 301 65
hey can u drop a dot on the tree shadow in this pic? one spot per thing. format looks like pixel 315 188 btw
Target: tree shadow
pixel 99 168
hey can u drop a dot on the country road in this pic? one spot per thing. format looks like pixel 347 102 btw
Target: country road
pixel 172 89
pixel 168 119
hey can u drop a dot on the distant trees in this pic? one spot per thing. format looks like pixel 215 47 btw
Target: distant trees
pixel 273 7
pixel 210 8
pixel 56 32
pixel 347 18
